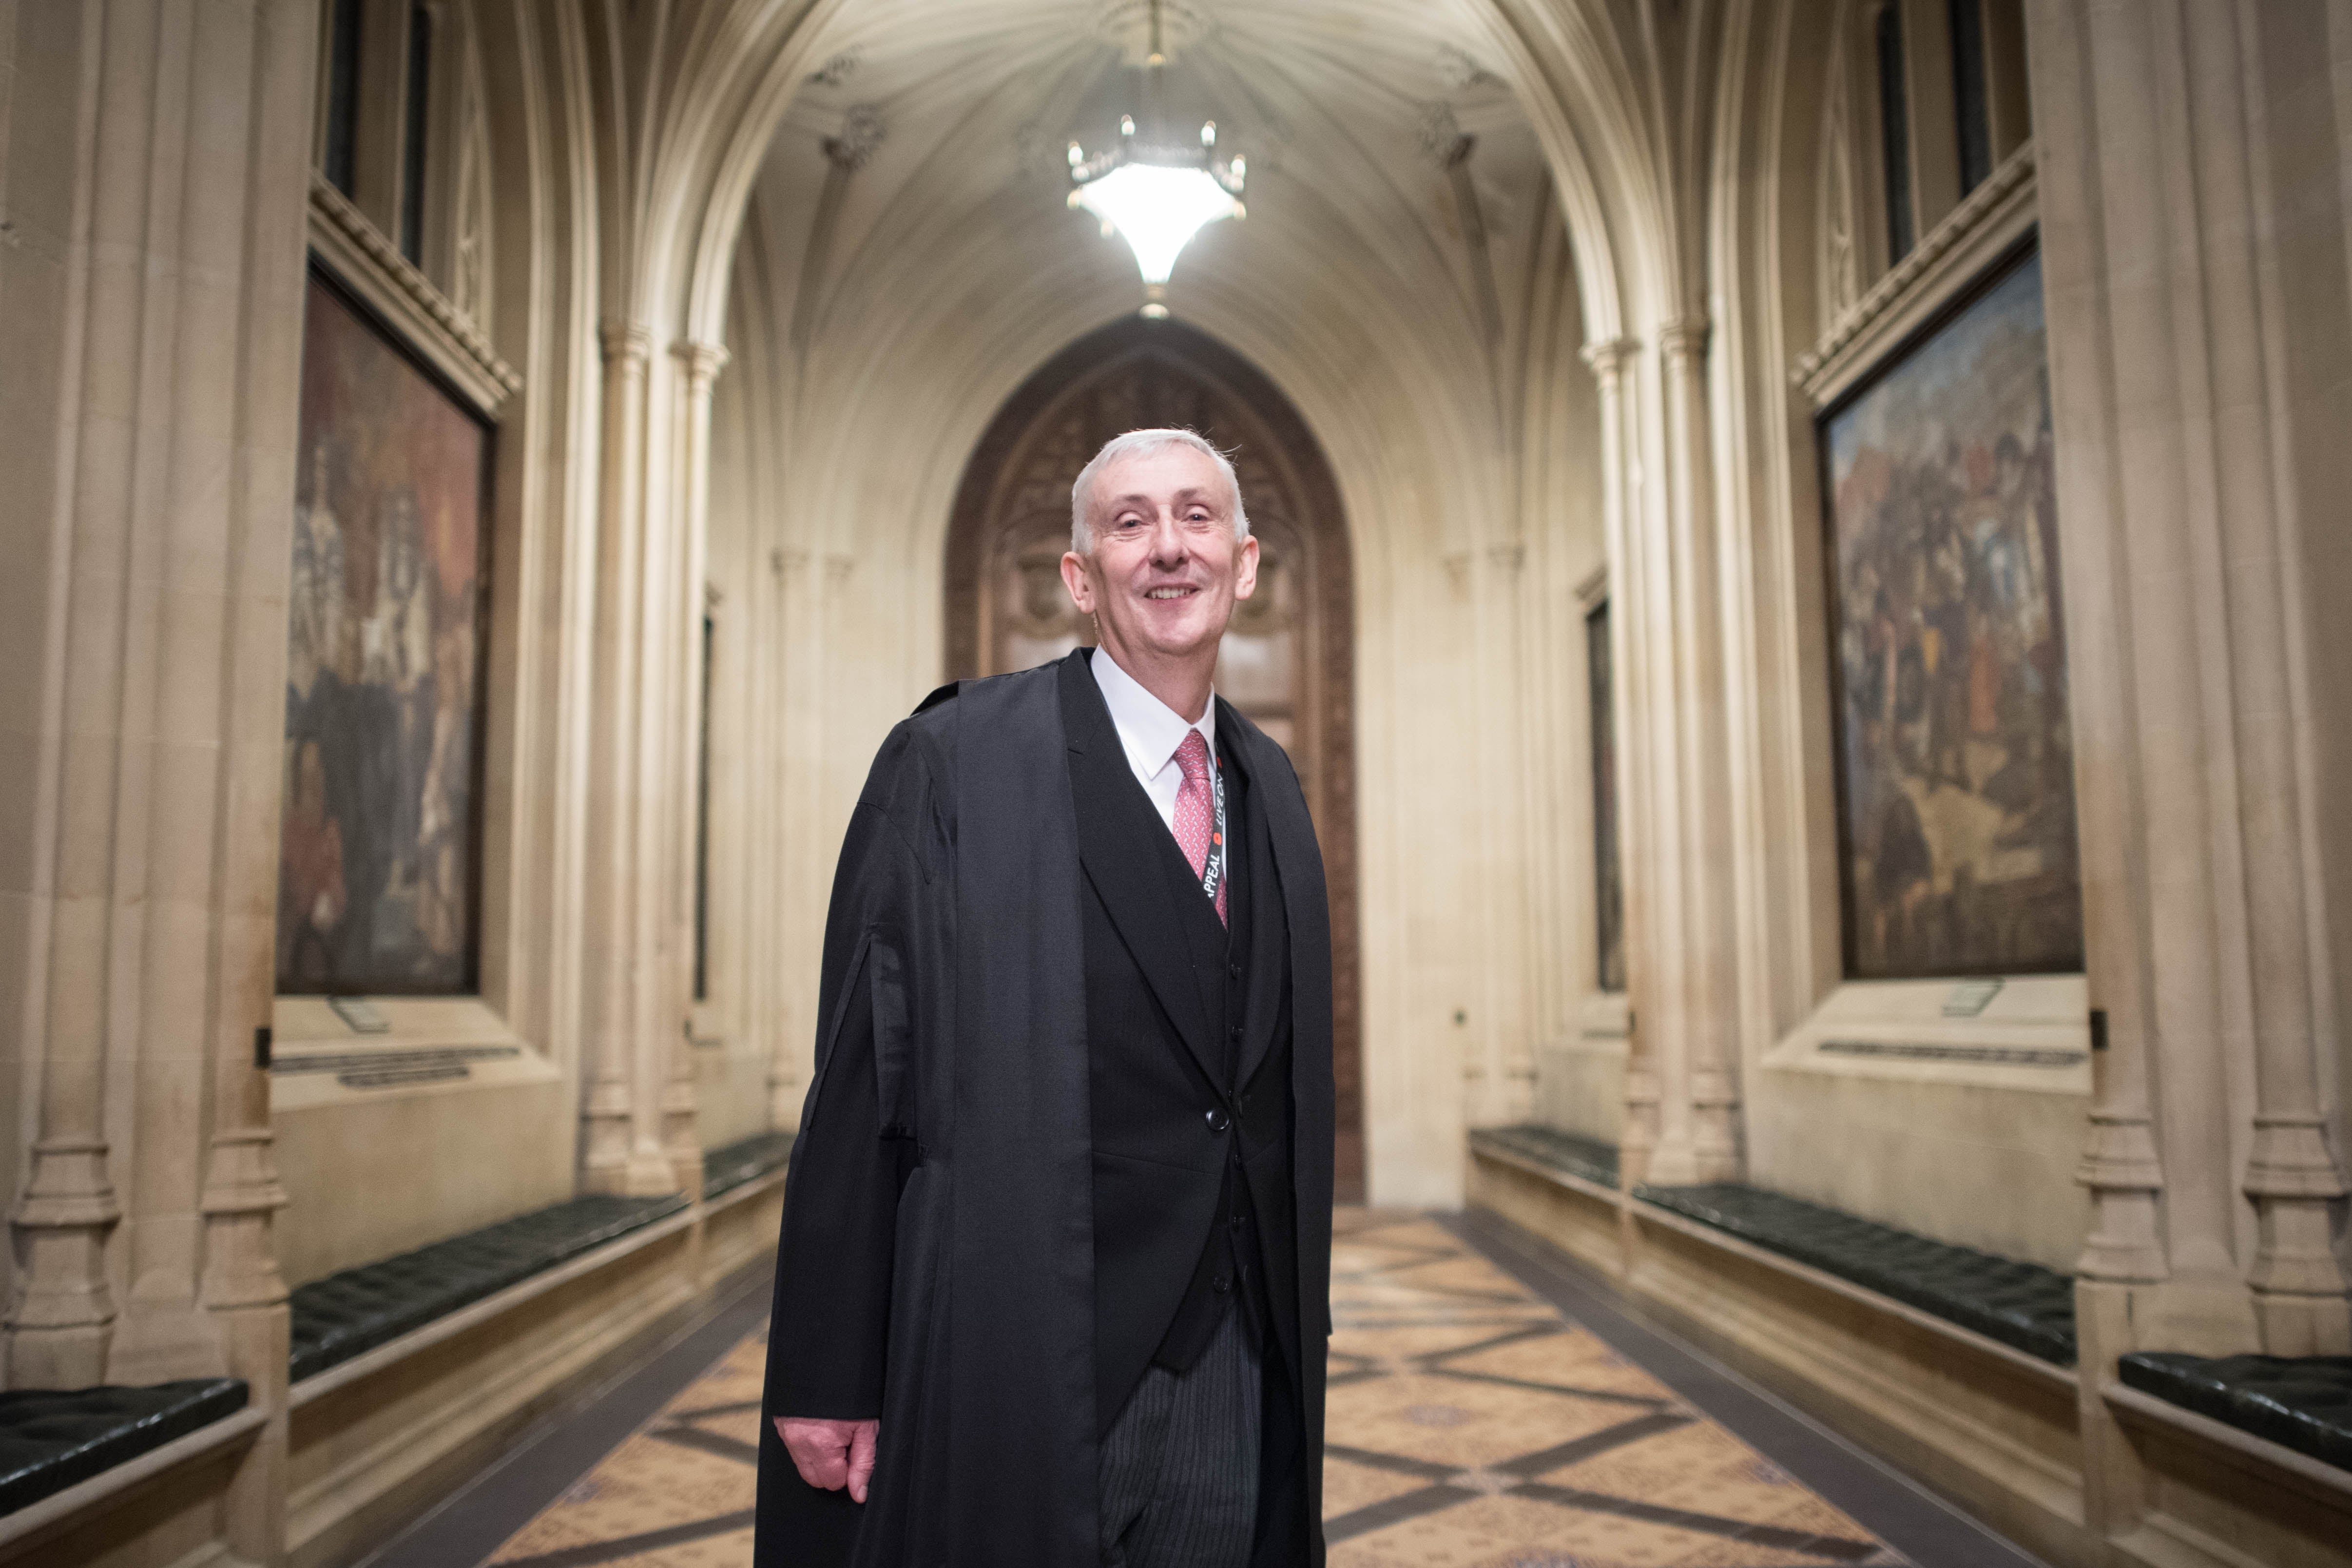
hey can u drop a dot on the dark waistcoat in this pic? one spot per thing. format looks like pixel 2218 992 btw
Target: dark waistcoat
pixel 1187 1032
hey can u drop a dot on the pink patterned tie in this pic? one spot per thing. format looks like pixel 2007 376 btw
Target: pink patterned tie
pixel 1196 809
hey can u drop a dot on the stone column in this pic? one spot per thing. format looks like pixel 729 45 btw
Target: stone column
pixel 1613 364
pixel 2176 464
pixel 789 993
pixel 1502 1077
pixel 1681 1078
pixel 2292 1175
pixel 622 1138
pixel 248 335
pixel 60 1318
pixel 1702 785
pixel 700 364
pixel 155 283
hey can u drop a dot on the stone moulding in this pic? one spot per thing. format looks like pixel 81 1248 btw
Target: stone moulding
pixel 24 1529
pixel 2010 1450
pixel 2300 1403
pixel 2023 1312
pixel 2247 1452
pixel 395 1068
pixel 2021 1305
pixel 734 1174
pixel 1546 1152
pixel 355 1310
pixel 1991 1056
pixel 1944 259
pixel 366 260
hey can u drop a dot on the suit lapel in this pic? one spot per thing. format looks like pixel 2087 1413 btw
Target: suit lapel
pixel 1264 889
pixel 1117 823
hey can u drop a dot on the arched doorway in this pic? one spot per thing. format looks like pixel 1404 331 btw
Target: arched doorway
pixel 1289 658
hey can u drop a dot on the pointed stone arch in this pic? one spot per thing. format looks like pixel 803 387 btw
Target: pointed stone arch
pixel 1290 656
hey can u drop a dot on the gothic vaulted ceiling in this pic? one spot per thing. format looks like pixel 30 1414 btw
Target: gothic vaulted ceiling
pixel 922 165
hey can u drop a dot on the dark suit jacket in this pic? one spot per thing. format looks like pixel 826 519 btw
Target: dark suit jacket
pixel 1197 1106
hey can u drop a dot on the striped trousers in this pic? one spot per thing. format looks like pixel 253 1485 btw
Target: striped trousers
pixel 1180 1465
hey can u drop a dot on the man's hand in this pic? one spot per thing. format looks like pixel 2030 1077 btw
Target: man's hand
pixel 832 1454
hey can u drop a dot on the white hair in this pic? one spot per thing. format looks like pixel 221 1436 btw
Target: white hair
pixel 1143 444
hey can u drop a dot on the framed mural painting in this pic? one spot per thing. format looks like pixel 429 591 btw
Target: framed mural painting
pixel 1608 870
pixel 380 873
pixel 1954 751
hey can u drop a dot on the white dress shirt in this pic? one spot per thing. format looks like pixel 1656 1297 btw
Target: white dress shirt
pixel 1151 730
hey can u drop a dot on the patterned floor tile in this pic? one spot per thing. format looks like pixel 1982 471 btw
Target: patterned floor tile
pixel 1470 1427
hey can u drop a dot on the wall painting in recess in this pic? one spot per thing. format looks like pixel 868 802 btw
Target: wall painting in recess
pixel 1607 868
pixel 1955 762
pixel 381 834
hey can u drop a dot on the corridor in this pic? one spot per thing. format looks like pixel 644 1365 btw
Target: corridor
pixel 1788 685
pixel 1490 1407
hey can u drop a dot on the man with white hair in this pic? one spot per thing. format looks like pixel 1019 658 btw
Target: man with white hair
pixel 1052 1282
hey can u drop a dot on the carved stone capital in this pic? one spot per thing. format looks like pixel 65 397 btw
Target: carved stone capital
pixel 68 1187
pixel 2299 1305
pixel 625 343
pixel 703 361
pixel 2291 1160
pixel 2121 1168
pixel 241 1193
pixel 2120 1155
pixel 1683 343
pixel 59 1324
pixel 1609 358
pixel 605 1134
pixel 2300 1301
pixel 862 132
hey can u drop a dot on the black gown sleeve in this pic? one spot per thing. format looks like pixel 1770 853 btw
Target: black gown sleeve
pixel 829 1335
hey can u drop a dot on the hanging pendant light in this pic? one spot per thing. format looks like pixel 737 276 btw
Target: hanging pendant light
pixel 1154 190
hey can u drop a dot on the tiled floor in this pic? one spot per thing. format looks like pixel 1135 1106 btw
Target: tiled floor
pixel 1472 1426
pixel 678 1494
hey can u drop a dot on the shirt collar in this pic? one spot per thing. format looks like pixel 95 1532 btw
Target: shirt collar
pixel 1148 728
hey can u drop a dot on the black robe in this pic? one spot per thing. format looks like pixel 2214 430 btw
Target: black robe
pixel 955 938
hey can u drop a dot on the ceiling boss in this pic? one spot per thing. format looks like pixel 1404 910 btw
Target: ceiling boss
pixel 1157 187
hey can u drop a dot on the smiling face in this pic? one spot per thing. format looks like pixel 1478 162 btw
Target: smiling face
pixel 1165 569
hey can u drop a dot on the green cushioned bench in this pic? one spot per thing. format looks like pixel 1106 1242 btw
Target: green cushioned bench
pixel 2022 1305
pixel 727 1168
pixel 350 1313
pixel 1566 1151
pixel 54 1438
pixel 2304 1402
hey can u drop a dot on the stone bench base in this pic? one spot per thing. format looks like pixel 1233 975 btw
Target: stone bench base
pixel 2081 1464
pixel 2302 1403
pixel 51 1439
